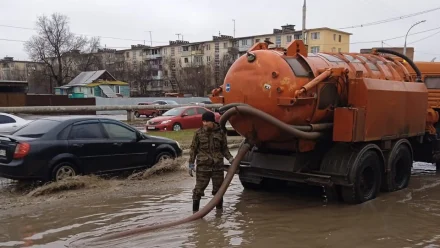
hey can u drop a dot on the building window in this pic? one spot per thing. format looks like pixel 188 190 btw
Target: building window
pixel 180 50
pixel 208 58
pixel 315 49
pixel 339 50
pixel 334 37
pixel 268 39
pixel 127 54
pixel 278 41
pixel 340 38
pixel 208 46
pixel 289 38
pixel 315 36
pixel 333 49
pixel 185 49
pixel 244 42
pixel 225 45
pixel 257 40
pixel 186 60
pixel 297 36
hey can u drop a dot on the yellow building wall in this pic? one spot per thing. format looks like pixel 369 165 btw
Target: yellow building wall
pixel 326 41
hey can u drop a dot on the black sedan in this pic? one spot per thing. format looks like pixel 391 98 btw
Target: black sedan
pixel 57 147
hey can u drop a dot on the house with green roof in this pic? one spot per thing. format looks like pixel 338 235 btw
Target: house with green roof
pixel 94 84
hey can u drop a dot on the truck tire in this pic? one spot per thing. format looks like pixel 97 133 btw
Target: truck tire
pixel 367 179
pixel 249 185
pixel 400 163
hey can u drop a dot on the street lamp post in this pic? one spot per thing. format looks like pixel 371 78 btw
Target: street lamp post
pixel 404 46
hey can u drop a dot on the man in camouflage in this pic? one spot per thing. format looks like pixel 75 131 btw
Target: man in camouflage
pixel 209 147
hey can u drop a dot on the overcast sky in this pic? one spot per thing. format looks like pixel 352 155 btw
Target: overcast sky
pixel 198 20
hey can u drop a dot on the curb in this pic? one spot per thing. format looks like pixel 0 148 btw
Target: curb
pixel 231 146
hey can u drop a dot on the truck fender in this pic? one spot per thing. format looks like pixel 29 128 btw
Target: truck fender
pixel 339 160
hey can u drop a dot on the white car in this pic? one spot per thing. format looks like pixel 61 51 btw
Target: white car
pixel 10 123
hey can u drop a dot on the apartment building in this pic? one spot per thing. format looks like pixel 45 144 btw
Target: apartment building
pixel 17 70
pixel 327 40
pixel 317 40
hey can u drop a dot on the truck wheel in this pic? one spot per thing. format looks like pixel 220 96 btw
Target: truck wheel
pixel 252 186
pixel 367 179
pixel 137 114
pixel 398 177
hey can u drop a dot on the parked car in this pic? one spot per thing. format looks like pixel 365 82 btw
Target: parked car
pixel 57 147
pixel 10 123
pixel 176 119
pixel 147 112
pixel 164 102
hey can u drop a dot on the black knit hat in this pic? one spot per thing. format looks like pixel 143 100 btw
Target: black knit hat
pixel 208 116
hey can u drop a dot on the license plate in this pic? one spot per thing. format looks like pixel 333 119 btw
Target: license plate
pixel 151 128
pixel 3 153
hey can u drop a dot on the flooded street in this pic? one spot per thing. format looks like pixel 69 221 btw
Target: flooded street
pixel 295 218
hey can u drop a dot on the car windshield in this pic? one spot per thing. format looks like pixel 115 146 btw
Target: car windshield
pixel 173 112
pixel 172 102
pixel 36 128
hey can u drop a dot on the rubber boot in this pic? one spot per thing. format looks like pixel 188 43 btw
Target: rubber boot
pixel 220 204
pixel 196 205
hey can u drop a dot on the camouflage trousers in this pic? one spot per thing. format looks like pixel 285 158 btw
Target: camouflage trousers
pixel 202 181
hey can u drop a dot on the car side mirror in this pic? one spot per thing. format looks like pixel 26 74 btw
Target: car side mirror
pixel 139 137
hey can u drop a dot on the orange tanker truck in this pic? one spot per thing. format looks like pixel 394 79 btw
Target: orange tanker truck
pixel 353 123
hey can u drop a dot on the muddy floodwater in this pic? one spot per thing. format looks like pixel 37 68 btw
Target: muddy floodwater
pixel 295 218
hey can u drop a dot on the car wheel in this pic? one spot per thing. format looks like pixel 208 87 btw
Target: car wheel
pixel 64 170
pixel 137 114
pixel 177 127
pixel 164 156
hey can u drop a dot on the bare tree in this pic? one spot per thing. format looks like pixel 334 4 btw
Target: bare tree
pixel 53 41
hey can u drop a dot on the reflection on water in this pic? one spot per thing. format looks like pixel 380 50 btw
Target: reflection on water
pixel 294 218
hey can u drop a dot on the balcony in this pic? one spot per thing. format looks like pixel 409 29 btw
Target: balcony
pixel 186 53
pixel 153 56
pixel 197 53
pixel 155 67
pixel 244 48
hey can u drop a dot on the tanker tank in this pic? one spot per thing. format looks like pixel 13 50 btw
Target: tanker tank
pixel 350 122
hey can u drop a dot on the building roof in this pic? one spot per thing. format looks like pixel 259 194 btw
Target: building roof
pixel 329 29
pixel 13 83
pixel 87 77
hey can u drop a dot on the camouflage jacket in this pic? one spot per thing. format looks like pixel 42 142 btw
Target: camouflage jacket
pixel 208 149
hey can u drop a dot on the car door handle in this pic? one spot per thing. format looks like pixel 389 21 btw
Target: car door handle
pixel 117 144
pixel 78 145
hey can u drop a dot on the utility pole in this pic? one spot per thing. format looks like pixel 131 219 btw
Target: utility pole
pixel 304 22
pixel 404 46
pixel 178 36
pixel 151 38
pixel 234 26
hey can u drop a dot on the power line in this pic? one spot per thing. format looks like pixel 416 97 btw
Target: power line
pixel 104 37
pixel 391 19
pixel 429 36
pixel 13 40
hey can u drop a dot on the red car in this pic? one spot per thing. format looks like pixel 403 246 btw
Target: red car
pixel 146 112
pixel 176 119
